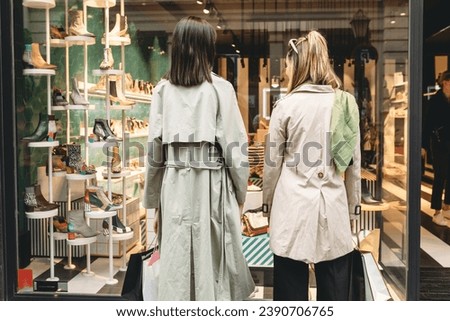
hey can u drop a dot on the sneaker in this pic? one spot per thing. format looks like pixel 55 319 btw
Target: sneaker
pixel 439 219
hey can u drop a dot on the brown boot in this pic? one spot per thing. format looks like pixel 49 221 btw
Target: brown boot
pixel 36 59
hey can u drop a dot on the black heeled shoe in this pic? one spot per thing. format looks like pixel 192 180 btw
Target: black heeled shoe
pixel 366 196
pixel 41 131
pixel 117 226
pixel 103 131
pixel 58 98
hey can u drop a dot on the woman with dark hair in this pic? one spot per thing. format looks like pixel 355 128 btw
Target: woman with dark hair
pixel 196 174
pixel 314 143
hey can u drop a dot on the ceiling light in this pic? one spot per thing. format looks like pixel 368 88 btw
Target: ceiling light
pixel 207 8
pixel 199 2
pixel 221 24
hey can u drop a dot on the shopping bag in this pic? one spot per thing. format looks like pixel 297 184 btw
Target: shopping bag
pixel 254 222
pixel 132 284
pixel 357 286
pixel 150 277
pixel 375 287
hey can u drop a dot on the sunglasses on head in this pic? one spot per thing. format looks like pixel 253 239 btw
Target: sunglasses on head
pixel 293 43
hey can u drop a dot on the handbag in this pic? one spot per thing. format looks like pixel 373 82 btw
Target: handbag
pixel 132 284
pixel 254 222
pixel 150 277
pixel 366 280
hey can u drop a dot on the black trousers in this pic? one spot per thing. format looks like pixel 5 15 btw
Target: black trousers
pixel 441 180
pixel 291 279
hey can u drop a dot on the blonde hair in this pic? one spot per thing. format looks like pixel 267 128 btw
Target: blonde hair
pixel 311 63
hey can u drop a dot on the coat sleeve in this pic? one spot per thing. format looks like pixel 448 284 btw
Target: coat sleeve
pixel 232 138
pixel 155 155
pixel 274 151
pixel 353 178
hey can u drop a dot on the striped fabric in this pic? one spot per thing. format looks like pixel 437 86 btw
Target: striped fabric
pixel 256 251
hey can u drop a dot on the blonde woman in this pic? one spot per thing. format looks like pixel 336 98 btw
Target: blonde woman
pixel 313 144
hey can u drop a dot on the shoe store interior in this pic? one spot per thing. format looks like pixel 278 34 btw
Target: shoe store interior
pixel 85 71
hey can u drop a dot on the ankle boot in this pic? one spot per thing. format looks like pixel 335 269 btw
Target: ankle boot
pixel 41 131
pixel 116 93
pixel 57 32
pixel 77 26
pixel 26 57
pixel 108 60
pixel 123 27
pixel 103 131
pixel 77 224
pixel 58 98
pixel 115 162
pixel 366 196
pixel 36 59
pixel 95 197
pixel 60 224
pixel 116 29
pixel 29 199
pixel 76 97
pixel 117 226
pixel 42 203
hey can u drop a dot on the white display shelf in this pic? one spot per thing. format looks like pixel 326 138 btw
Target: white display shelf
pixel 59 174
pixel 43 144
pixel 122 236
pixel 40 215
pixel 38 72
pixel 123 173
pixel 121 107
pixel 59 43
pixel 117 41
pixel 82 240
pixel 80 40
pixel 100 214
pixel 100 3
pixel 80 177
pixel 73 107
pixel 39 4
pixel 109 72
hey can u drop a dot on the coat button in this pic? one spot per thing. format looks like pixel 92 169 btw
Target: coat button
pixel 320 174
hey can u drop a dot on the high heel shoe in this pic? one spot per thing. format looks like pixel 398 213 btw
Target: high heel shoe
pixel 75 96
pixel 366 196
pixel 108 59
pixel 103 131
pixel 41 131
pixel 59 224
pixel 116 93
pixel 77 26
pixel 96 197
pixel 32 57
pixel 35 202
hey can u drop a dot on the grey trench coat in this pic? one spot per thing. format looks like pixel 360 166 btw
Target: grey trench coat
pixel 197 175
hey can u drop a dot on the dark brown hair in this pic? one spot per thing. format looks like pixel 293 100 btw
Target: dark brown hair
pixel 193 52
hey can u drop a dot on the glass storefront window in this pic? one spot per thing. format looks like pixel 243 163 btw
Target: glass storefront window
pixel 94 83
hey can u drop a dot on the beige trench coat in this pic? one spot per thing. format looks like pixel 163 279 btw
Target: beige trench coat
pixel 200 240
pixel 309 202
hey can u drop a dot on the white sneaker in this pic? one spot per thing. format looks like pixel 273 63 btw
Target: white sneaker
pixel 439 219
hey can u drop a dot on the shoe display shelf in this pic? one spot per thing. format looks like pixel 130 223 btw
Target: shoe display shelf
pixel 100 214
pixel 49 144
pixel 107 71
pixel 86 241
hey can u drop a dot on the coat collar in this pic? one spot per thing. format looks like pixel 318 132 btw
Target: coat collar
pixel 308 87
